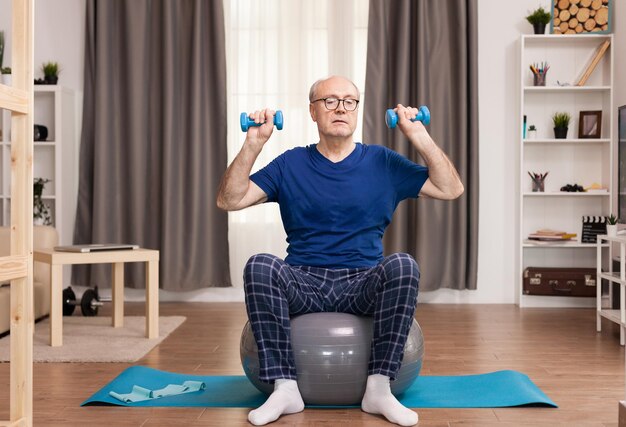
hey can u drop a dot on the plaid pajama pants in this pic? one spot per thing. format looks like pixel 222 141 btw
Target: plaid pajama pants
pixel 274 290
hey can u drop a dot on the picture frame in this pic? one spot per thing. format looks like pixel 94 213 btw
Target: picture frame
pixel 594 18
pixel 590 124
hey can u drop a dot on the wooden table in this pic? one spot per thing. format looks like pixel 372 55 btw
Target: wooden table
pixel 117 258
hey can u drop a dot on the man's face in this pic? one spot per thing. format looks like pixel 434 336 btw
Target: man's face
pixel 339 122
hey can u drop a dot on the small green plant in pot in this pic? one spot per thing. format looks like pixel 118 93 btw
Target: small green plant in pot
pixel 561 123
pixel 539 18
pixel 611 225
pixel 51 72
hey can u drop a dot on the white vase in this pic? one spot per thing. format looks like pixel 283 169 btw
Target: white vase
pixel 611 229
pixel 532 134
pixel 6 79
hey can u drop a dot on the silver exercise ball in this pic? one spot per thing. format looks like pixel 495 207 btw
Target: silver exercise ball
pixel 331 352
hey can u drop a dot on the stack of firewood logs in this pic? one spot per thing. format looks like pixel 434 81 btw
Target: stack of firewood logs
pixel 580 16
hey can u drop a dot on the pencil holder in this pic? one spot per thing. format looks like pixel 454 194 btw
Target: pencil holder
pixel 539 79
pixel 538 186
pixel 538 180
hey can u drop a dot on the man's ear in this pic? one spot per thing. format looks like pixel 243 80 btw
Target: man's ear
pixel 312 112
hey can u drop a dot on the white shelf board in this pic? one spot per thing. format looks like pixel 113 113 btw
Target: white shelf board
pixel 564 37
pixel 567 141
pixel 565 194
pixel 47 88
pixel 612 315
pixel 529 301
pixel 540 89
pixel 35 144
pixel 570 244
pixel 44 197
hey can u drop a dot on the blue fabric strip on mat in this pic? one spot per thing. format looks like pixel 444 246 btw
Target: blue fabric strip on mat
pixel 493 390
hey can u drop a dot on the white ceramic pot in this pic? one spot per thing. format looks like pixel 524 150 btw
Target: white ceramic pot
pixel 611 230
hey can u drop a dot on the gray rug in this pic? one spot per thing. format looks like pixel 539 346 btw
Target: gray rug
pixel 93 339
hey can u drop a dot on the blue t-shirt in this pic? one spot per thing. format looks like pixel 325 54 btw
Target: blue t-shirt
pixel 335 214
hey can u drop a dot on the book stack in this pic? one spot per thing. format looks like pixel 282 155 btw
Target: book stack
pixel 547 235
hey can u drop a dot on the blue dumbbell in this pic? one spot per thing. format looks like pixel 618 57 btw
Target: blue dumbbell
pixel 423 115
pixel 246 121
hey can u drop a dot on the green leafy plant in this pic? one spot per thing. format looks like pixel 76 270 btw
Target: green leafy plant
pixel 41 211
pixel 532 127
pixel 50 69
pixel 5 70
pixel 1 47
pixel 611 220
pixel 539 16
pixel 561 120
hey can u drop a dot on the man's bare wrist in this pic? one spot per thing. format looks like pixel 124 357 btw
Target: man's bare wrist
pixel 253 148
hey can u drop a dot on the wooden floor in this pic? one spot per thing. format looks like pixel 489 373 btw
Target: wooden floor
pixel 580 369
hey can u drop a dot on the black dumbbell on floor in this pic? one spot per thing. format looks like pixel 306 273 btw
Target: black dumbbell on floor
pixel 89 303
pixel 69 301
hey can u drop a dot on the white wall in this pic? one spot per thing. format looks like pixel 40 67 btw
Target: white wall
pixel 60 37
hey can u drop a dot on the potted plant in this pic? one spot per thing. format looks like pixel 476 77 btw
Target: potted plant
pixel 611 225
pixel 41 211
pixel 561 123
pixel 4 71
pixel 6 75
pixel 539 18
pixel 532 132
pixel 51 72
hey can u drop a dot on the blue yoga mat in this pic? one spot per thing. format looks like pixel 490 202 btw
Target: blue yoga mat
pixel 493 390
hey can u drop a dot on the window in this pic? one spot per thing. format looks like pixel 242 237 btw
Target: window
pixel 275 50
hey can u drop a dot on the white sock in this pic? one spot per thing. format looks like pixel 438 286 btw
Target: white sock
pixel 379 400
pixel 285 399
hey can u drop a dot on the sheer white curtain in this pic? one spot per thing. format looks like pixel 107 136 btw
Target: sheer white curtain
pixel 275 50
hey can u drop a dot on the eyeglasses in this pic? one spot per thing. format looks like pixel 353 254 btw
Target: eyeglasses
pixel 349 104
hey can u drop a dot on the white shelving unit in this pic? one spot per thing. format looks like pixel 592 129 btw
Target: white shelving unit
pixel 54 159
pixel 572 160
pixel 614 315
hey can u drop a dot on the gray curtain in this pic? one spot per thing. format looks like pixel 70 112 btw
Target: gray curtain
pixel 423 52
pixel 153 145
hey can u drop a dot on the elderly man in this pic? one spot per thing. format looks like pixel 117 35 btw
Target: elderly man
pixel 336 198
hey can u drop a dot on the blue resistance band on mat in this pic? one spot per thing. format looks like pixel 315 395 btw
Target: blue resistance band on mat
pixel 139 394
pixel 493 390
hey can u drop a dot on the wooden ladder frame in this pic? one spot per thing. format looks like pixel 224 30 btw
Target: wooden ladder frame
pixel 18 267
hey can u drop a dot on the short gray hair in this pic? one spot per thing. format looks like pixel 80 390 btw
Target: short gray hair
pixel 317 83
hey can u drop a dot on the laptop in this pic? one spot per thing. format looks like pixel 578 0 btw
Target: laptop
pixel 96 247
